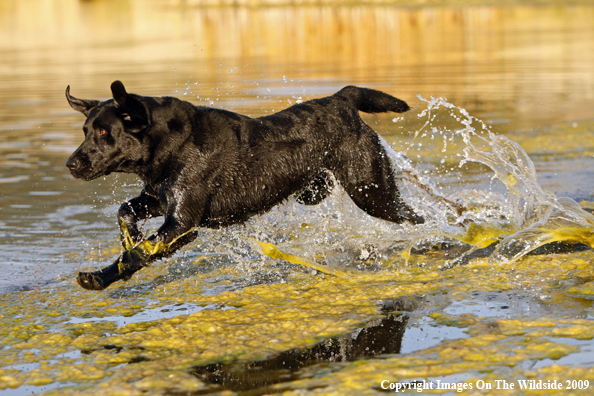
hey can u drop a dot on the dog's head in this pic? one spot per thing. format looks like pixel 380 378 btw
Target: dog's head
pixel 114 131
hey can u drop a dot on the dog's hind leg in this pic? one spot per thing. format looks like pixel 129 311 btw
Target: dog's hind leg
pixel 379 197
pixel 382 201
pixel 368 177
pixel 316 190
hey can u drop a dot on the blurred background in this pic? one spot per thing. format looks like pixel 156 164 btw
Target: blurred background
pixel 524 67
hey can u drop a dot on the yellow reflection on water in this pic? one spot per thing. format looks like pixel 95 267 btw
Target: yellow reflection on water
pixel 516 64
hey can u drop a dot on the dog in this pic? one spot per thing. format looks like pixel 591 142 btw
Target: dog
pixel 207 167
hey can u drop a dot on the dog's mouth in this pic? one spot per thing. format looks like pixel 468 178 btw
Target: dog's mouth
pixel 89 177
pixel 87 173
pixel 81 167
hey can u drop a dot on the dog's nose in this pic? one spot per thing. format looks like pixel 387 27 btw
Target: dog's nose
pixel 72 164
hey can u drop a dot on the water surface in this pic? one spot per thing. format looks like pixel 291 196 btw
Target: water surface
pixel 526 71
pixel 518 68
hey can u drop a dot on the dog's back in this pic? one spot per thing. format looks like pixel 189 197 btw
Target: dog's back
pixel 265 160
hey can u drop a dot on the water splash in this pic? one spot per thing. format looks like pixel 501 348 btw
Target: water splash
pixel 513 213
pixel 523 218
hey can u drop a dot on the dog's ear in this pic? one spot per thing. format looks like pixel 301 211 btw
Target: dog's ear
pixel 135 113
pixel 119 93
pixel 82 105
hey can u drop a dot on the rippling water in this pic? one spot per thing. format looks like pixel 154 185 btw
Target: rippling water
pixel 526 71
pixel 517 68
pixel 521 69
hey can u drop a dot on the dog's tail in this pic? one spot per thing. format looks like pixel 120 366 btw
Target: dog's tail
pixel 372 101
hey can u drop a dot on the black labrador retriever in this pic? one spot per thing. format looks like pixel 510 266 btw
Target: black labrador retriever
pixel 206 167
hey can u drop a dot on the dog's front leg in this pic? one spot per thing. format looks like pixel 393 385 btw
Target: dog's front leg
pixel 134 259
pixel 142 207
pixel 176 232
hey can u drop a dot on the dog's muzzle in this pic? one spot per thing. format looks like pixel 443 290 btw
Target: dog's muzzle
pixel 73 164
pixel 81 168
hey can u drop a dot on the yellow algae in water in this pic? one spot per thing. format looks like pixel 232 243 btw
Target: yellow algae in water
pixel 588 205
pixel 128 242
pixel 272 251
pixel 266 316
pixel 82 372
pixel 454 321
pixel 583 235
pixel 171 381
pixel 583 291
pixel 550 350
pixel 579 332
pixel 406 254
pixel 567 222
pixel 54 340
pixel 269 318
pixel 483 235
pixel 482 353
pixel 9 381
pixel 37 377
pixel 112 359
pixel 142 252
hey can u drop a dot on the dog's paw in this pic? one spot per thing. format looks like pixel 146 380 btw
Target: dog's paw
pixel 89 281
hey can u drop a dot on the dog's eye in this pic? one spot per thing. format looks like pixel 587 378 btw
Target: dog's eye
pixel 102 132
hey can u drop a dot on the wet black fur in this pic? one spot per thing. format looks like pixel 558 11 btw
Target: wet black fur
pixel 210 167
